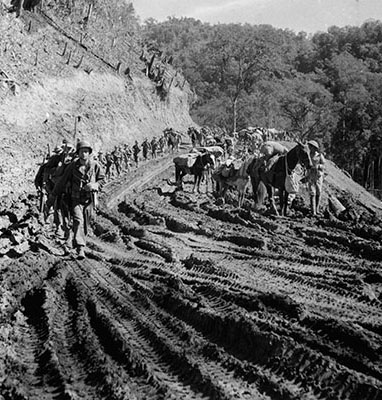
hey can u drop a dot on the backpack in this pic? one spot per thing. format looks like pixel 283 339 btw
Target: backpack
pixel 292 184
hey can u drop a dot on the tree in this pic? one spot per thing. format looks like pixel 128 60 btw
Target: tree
pixel 236 57
pixel 308 107
pixel 352 86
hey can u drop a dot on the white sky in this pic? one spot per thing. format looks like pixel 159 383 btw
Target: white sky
pixel 297 15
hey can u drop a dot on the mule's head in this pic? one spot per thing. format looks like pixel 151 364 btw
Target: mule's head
pixel 303 155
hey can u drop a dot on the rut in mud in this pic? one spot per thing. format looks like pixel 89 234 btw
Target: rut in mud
pixel 179 298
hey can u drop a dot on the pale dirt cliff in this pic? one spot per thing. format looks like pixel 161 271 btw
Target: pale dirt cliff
pixel 53 86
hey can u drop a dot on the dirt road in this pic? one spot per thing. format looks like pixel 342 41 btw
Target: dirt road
pixel 179 298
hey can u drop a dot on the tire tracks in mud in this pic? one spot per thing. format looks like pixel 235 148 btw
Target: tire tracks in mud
pixel 137 183
pixel 223 317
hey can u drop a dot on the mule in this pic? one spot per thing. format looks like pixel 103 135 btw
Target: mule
pixel 265 182
pixel 216 151
pixel 199 168
pixel 238 180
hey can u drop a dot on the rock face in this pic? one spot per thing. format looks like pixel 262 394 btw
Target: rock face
pixel 61 82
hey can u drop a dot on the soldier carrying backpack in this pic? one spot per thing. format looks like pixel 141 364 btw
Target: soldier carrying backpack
pixel 83 178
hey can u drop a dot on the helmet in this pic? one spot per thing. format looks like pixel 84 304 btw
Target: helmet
pixel 83 144
pixel 313 143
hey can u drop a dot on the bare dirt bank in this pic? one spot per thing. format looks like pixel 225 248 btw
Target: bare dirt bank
pixel 45 97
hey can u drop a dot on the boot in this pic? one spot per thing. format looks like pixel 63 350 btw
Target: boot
pixel 313 204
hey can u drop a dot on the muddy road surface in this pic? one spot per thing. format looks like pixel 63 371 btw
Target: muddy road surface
pixel 181 297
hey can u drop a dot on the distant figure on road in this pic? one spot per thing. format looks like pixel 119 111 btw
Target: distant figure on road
pixel 109 161
pixel 145 148
pixel 127 153
pixel 154 147
pixel 117 158
pixel 136 151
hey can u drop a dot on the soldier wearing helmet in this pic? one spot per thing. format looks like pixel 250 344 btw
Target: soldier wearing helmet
pixel 101 158
pixel 154 147
pixel 145 148
pixel 117 159
pixel 315 176
pixel 136 151
pixel 82 179
pixel 45 181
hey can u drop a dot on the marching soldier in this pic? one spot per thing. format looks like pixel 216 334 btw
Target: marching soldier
pixel 101 158
pixel 117 155
pixel 145 148
pixel 109 160
pixel 127 156
pixel 154 147
pixel 162 144
pixel 136 151
pixel 83 178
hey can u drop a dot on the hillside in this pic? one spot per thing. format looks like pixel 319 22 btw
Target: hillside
pixel 55 87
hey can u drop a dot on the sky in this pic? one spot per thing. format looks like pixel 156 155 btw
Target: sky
pixel 298 15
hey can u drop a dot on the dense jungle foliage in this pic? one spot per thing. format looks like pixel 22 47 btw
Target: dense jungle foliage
pixel 326 86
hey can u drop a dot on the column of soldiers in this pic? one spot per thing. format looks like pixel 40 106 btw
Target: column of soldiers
pixel 124 157
pixel 68 182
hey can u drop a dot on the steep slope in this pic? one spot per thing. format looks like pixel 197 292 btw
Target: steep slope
pixel 56 85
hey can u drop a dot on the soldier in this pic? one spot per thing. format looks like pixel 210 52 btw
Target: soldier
pixel 171 139
pixel 154 147
pixel 178 140
pixel 83 178
pixel 162 144
pixel 315 176
pixel 46 183
pixel 127 156
pixel 192 133
pixel 145 148
pixel 101 158
pixel 109 163
pixel 136 151
pixel 117 156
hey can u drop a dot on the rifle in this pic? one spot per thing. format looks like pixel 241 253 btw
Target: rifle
pixel 41 200
pixel 89 211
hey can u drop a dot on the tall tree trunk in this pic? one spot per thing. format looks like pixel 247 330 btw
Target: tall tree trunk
pixel 372 178
pixel 234 112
